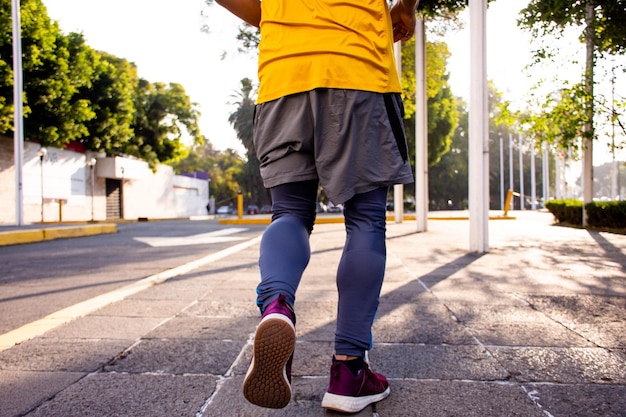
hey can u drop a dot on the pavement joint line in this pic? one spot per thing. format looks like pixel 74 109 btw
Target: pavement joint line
pixel 226 376
pixel 60 317
pixel 534 398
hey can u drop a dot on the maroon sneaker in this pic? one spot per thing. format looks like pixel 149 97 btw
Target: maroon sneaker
pixel 268 381
pixel 349 393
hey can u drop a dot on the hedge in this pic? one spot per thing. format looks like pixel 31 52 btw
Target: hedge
pixel 605 214
pixel 566 211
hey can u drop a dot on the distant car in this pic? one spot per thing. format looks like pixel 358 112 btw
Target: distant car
pixel 252 209
pixel 266 209
pixel 332 208
pixel 224 210
pixel 321 207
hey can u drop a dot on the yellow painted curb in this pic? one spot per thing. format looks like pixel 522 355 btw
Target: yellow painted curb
pixel 338 219
pixel 17 237
pixel 87 230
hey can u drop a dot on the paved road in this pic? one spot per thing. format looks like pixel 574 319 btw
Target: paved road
pixel 40 278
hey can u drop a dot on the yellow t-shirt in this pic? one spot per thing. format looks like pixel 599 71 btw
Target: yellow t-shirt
pixel 308 44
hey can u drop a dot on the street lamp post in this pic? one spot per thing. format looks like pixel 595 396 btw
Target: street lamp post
pixel 42 155
pixel 92 164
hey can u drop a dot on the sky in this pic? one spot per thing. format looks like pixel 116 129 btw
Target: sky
pixel 164 39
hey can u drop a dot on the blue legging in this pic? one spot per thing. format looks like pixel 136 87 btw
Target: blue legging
pixel 285 253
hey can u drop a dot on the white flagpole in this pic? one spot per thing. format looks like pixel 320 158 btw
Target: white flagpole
pixel 18 115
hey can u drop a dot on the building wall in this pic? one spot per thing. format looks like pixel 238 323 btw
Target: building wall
pixel 162 195
pixel 61 184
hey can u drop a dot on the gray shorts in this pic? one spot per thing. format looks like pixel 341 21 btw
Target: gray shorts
pixel 351 141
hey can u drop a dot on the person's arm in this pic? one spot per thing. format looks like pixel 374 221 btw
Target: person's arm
pixel 403 19
pixel 247 10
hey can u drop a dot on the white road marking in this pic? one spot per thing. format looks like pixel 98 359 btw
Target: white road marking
pixel 58 318
pixel 219 236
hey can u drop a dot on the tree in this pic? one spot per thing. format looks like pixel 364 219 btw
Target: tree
pixel 111 95
pixel 448 178
pixel 603 33
pixel 162 111
pixel 242 120
pixel 52 76
pixel 442 110
pixel 73 93
pixel 561 119
pixel 553 17
pixel 225 170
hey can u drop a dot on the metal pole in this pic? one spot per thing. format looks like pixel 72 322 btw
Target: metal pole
pixel 614 166
pixel 421 129
pixel 92 198
pixel 511 182
pixel 546 173
pixel 533 178
pixel 501 174
pixel 18 114
pixel 559 183
pixel 569 173
pixel 92 164
pixel 521 174
pixel 478 130
pixel 42 155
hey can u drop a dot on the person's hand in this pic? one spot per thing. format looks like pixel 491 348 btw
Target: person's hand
pixel 403 20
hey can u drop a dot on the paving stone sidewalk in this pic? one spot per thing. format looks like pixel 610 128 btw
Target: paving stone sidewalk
pixel 533 328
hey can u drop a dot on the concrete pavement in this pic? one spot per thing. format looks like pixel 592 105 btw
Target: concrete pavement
pixel 533 328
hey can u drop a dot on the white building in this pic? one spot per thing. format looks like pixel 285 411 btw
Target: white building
pixel 70 186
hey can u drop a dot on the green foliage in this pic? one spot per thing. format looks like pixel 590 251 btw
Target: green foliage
pixel 448 179
pixel 441 7
pixel 561 119
pixel 602 22
pixel 553 17
pixel 73 93
pixel 161 113
pixel 226 170
pixel 443 116
pixel 111 94
pixel 51 76
pixel 566 211
pixel 242 120
pixel 609 214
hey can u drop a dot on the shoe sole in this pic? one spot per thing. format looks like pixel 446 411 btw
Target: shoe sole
pixel 346 404
pixel 266 383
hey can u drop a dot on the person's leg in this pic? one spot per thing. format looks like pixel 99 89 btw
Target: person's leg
pixel 361 271
pixel 285 250
pixel 283 257
pixel 353 386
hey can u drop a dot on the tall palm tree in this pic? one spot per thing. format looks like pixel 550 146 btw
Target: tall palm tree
pixel 242 120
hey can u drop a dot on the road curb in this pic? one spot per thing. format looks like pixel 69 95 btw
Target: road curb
pixel 339 219
pixel 17 237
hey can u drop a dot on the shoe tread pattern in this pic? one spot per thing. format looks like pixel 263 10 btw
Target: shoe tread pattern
pixel 266 383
